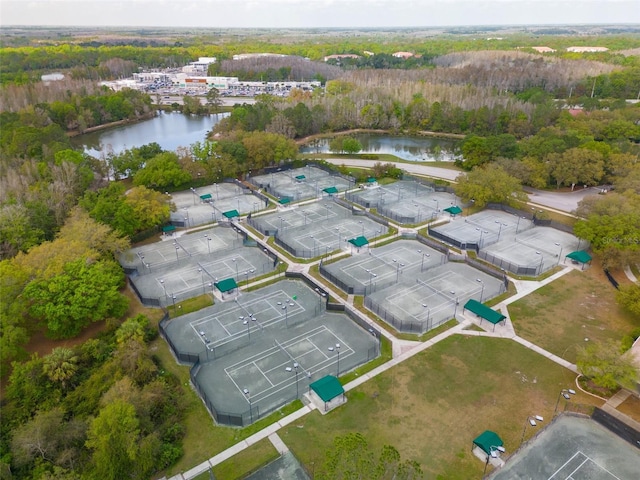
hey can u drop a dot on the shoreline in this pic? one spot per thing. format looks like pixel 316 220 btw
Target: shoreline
pixel 420 133
pixel 104 126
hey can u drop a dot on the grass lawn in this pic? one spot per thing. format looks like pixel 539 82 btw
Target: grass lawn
pixel 244 463
pixel 631 407
pixel 559 316
pixel 433 405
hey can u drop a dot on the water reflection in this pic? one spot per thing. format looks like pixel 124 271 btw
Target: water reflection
pixel 415 149
pixel 170 130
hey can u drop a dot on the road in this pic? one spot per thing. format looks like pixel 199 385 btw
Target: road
pixel 224 101
pixel 435 172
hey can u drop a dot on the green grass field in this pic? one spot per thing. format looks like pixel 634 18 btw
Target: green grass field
pixel 244 463
pixel 432 406
pixel 560 316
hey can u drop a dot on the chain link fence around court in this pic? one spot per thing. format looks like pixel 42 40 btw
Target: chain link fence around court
pixel 406 326
pixel 526 270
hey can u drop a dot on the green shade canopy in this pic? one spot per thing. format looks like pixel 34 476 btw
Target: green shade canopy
pixel 371 180
pixel 455 210
pixel 359 242
pixel 580 256
pixel 206 196
pixel 330 190
pixel 226 285
pixel 488 439
pixel 284 201
pixel 300 177
pixel 168 228
pixel 327 388
pixel 482 311
pixel 231 214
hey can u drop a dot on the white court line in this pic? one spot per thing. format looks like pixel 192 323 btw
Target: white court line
pixel 586 459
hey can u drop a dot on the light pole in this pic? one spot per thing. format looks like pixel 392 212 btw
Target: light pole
pixel 471 202
pixel 305 213
pixel 437 204
pixel 193 191
pixel 337 350
pixel 481 291
pixel 531 420
pixel 247 275
pixel 338 244
pixel 236 262
pixel 423 255
pixel 559 256
pixel 328 207
pixel 202 278
pixel 566 393
pixel 295 368
pixel 248 397
pixel 177 248
pixel 286 315
pixel 424 305
pixel 398 269
pixel 518 224
pixel 217 196
pixel 481 232
pixel 173 297
pixel 500 229
pixel 314 245
pixel 416 205
pixel 362 225
pixel 541 262
pixel 255 207
pixel 246 322
pixel 164 287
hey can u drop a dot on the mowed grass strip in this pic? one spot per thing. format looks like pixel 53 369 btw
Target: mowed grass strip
pixel 561 315
pixel 433 405
pixel 631 407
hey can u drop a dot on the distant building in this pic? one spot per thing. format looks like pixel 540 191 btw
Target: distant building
pixel 587 49
pixel 543 49
pixel 404 55
pixel 340 55
pixel 117 85
pixel 199 67
pixel 244 56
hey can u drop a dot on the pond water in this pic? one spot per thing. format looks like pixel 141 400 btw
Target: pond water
pixel 415 149
pixel 170 130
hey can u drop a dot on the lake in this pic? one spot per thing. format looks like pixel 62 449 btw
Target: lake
pixel 415 149
pixel 169 129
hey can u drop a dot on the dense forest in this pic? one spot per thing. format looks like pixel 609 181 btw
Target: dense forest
pixel 105 409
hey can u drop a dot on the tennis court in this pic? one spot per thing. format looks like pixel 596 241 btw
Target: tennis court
pixel 423 301
pixel 199 260
pixel 192 210
pixel 300 183
pixel 317 229
pixel 573 448
pixel 382 266
pixel 482 229
pixel 254 344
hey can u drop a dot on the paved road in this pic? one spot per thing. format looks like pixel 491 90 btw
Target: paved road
pixel 564 201
pixel 436 172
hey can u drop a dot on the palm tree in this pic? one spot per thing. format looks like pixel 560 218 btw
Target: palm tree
pixel 60 365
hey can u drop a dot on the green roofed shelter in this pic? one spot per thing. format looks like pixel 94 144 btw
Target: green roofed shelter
pixel 284 201
pixel 488 441
pixel 330 190
pixel 168 228
pixel 327 388
pixel 230 214
pixel 580 256
pixel 359 242
pixel 226 285
pixel 300 178
pixel 371 180
pixel 454 210
pixel 206 196
pixel 484 312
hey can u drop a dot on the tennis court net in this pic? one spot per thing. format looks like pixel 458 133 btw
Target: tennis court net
pixel 435 290
pixel 296 362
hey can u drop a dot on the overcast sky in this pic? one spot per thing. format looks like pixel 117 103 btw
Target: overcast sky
pixel 315 13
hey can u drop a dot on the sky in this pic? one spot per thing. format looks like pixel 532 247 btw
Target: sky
pixel 315 13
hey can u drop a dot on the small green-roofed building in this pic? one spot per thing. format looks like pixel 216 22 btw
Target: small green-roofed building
pixel 484 312
pixel 488 441
pixel 168 228
pixel 580 256
pixel 206 197
pixel 359 242
pixel 330 190
pixel 371 180
pixel 327 388
pixel 300 178
pixel 231 214
pixel 454 210
pixel 284 201
pixel 226 285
